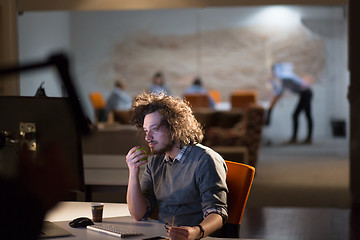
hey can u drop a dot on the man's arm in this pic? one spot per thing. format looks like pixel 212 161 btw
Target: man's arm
pixel 211 174
pixel 209 225
pixel 268 113
pixel 274 101
pixel 136 202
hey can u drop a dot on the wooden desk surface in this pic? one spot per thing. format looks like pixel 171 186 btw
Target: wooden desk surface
pixel 148 228
pixel 67 211
pixel 279 223
pixel 114 213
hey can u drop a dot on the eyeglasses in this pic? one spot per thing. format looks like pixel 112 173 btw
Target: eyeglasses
pixel 153 130
pixel 167 225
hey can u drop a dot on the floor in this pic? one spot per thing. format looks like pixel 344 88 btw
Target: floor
pixel 299 223
pixel 301 192
pixel 314 175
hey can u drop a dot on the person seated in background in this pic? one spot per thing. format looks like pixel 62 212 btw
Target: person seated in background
pixel 197 88
pixel 184 181
pixel 118 99
pixel 158 85
pixel 298 85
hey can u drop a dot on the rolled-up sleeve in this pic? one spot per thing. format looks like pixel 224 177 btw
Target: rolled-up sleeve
pixel 211 179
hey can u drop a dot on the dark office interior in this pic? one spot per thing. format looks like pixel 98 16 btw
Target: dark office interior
pixel 299 191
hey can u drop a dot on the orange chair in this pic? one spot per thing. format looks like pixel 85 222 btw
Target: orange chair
pixel 98 103
pixel 215 94
pixel 239 179
pixel 97 100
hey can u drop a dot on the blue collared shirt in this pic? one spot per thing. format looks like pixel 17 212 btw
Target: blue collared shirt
pixel 190 187
pixel 184 152
pixel 289 80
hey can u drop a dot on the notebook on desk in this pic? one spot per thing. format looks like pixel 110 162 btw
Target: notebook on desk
pixel 51 230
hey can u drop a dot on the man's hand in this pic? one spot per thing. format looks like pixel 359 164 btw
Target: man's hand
pixel 210 224
pixel 134 159
pixel 136 202
pixel 190 233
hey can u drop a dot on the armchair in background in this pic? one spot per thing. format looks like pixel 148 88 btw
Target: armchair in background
pixel 235 134
pixel 98 104
pixel 122 116
pixel 198 100
pixel 243 98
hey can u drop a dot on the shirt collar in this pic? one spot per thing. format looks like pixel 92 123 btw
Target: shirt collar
pixel 184 152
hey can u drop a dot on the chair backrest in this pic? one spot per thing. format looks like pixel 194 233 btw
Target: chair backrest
pixel 97 100
pixel 239 179
pixel 198 100
pixel 243 98
pixel 122 116
pixel 215 94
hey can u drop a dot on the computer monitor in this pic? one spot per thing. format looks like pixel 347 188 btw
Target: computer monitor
pixel 44 120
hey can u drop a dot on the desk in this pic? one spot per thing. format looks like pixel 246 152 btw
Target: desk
pixel 258 223
pixel 114 213
pixel 67 211
pixel 149 228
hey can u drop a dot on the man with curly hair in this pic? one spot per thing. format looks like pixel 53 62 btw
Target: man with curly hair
pixel 184 182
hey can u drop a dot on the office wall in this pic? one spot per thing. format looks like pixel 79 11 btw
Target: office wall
pixel 227 47
pixel 41 34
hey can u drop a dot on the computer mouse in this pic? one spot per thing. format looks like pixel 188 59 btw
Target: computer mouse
pixel 81 222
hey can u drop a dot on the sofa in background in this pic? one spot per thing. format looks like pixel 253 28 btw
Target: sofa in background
pixel 235 134
pixel 121 116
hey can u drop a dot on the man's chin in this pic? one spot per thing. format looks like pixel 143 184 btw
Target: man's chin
pixel 156 152
pixel 161 150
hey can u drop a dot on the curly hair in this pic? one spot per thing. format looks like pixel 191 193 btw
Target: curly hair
pixel 177 116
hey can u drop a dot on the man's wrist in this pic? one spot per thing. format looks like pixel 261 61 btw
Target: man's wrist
pixel 202 231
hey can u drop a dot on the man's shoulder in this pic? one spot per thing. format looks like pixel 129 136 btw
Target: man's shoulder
pixel 202 147
pixel 207 159
pixel 205 152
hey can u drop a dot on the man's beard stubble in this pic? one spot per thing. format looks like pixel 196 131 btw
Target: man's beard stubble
pixel 162 150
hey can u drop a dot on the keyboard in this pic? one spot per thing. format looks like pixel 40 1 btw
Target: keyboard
pixel 113 230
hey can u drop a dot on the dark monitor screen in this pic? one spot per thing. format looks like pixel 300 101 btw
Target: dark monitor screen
pixel 44 120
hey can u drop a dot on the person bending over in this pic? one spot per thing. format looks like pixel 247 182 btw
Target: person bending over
pixel 184 181
pixel 298 85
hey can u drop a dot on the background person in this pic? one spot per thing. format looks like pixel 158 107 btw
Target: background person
pixel 184 180
pixel 197 88
pixel 118 99
pixel 158 85
pixel 289 80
